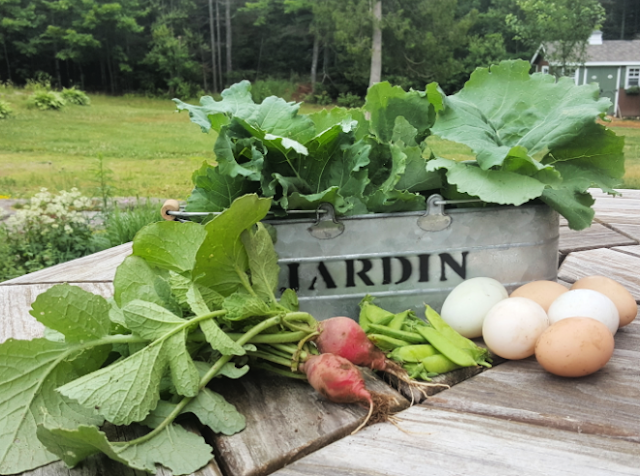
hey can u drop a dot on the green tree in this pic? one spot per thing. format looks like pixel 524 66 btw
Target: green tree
pixel 562 26
pixel 170 56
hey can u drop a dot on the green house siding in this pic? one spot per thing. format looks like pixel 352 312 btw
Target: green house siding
pixel 607 78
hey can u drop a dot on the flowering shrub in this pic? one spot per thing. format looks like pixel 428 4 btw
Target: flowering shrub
pixel 50 229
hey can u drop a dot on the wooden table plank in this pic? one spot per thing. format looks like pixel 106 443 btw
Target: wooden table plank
pixel 286 420
pixel 596 236
pixel 605 403
pixel 632 231
pixel 98 267
pixel 438 442
pixel 621 267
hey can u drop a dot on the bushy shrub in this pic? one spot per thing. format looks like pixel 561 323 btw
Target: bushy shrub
pixel 50 229
pixel 44 100
pixel 75 96
pixel 5 110
pixel 350 100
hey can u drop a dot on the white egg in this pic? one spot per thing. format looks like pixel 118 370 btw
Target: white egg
pixel 585 303
pixel 467 304
pixel 512 327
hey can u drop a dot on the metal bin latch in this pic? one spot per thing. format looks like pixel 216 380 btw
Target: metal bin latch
pixel 434 219
pixel 326 226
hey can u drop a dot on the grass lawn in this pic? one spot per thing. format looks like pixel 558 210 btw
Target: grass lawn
pixel 148 149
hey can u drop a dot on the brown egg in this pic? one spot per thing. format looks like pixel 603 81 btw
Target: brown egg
pixel 574 347
pixel 542 292
pixel 615 291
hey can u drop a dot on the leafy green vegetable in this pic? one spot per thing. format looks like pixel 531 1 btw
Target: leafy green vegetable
pixel 334 156
pixel 533 139
pixel 186 305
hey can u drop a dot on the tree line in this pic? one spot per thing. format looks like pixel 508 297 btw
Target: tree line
pixel 183 47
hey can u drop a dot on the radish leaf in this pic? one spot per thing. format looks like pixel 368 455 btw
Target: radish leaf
pixel 72 311
pixel 174 447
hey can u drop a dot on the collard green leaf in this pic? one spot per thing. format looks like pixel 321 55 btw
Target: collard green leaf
pixel 280 118
pixel 386 103
pixel 327 119
pixel 503 107
pixel 221 261
pixel 76 313
pixel 214 191
pixel 492 186
pixel 574 206
pixel 169 245
pixel 174 447
pixel 30 371
pixel 395 201
pixel 593 159
pixel 263 262
pixel 240 156
pixel 415 177
pixel 211 114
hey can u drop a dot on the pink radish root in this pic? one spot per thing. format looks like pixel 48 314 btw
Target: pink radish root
pixel 340 381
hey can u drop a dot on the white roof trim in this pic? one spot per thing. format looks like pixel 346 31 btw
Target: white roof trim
pixel 612 63
pixel 535 55
pixel 601 63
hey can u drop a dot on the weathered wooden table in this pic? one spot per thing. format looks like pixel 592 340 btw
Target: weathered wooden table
pixel 513 419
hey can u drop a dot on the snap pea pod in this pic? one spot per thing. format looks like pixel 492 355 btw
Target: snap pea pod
pixel 412 353
pixel 370 313
pixel 411 337
pixel 386 343
pixel 445 347
pixel 398 320
pixel 439 364
pixel 479 355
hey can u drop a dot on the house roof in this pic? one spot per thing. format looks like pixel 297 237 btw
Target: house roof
pixel 610 51
pixel 614 51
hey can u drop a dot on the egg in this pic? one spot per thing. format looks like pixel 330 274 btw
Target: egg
pixel 542 292
pixel 624 301
pixel 585 303
pixel 512 327
pixel 574 347
pixel 467 304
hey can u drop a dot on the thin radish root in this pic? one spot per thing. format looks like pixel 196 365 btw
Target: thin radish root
pixel 340 381
pixel 379 411
pixel 401 374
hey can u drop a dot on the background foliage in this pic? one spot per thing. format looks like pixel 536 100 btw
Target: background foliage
pixel 166 47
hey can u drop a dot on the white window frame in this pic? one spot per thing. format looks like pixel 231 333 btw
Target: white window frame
pixel 633 73
pixel 544 69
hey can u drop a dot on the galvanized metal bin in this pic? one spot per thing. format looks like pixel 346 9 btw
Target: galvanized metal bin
pixel 406 260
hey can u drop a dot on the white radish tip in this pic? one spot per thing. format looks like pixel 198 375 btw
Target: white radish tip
pixel 170 205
